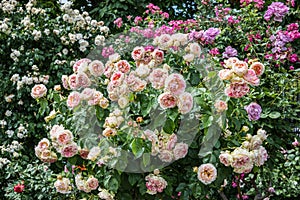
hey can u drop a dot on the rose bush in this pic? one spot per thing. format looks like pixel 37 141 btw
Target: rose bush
pixel 215 96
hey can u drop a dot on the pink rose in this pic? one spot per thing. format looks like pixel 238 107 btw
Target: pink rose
pixel 97 96
pixel 258 67
pixel 175 84
pixel 225 74
pixel 123 66
pixel 158 56
pixel 237 89
pixel 139 85
pixel 117 78
pixel 104 103
pixel 64 137
pixel 44 144
pixel 54 130
pixel 180 150
pixel 80 63
pixel 38 91
pixel 230 62
pixel 220 105
pixel 87 93
pixel 185 103
pixel 73 99
pixel 96 68
pixel 83 80
pixel 157 78
pixel 73 82
pixel 172 142
pixel 240 68
pixel 69 150
pixel 65 81
pixel 92 183
pixel 138 53
pixel 167 100
pixel 225 158
pixel 251 78
pixel 166 156
pixel 207 173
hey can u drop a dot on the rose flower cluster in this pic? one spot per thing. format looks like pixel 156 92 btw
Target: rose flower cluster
pixel 251 153
pixel 240 76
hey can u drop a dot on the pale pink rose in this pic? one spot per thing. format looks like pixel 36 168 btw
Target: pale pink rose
pixel 237 90
pixel 255 142
pixel 69 150
pixel 261 155
pixel 108 132
pixel 62 185
pixel 220 105
pixel 225 158
pixel 165 41
pixel 104 103
pixel 80 63
pixel 166 156
pixel 140 85
pixel 93 183
pixel 189 57
pixel 87 94
pixel 225 74
pixel 251 78
pixel 94 153
pixel 258 67
pixel 65 81
pixel 185 103
pixel 48 156
pixel 73 82
pixel 142 71
pixel 95 100
pixel 240 68
pixel 131 79
pixel 113 96
pixel 109 69
pixel 83 80
pixel 241 161
pixel 175 84
pixel 158 56
pixel 155 184
pixel 207 173
pixel 54 130
pixel 123 102
pixel 44 144
pixel 117 78
pixel 138 53
pixel 38 91
pixel 167 100
pixel 123 90
pixel 64 137
pixel 229 62
pixel 73 99
pixel 157 78
pixel 171 142
pixel 262 134
pixel 195 49
pixel 96 68
pixel 180 150
pixel 114 57
pixel 123 66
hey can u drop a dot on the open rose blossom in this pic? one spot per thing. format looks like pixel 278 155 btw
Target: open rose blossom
pixel 69 150
pixel 73 99
pixel 123 66
pixel 157 78
pixel 92 182
pixel 251 78
pixel 80 64
pixel 237 89
pixel 167 100
pixel 240 68
pixel 19 188
pixel 258 67
pixel 38 91
pixel 225 74
pixel 64 137
pixel 138 53
pixel 155 184
pixel 185 103
pixel 180 150
pixel 175 84
pixel 253 110
pixel 62 185
pixel 96 68
pixel 220 106
pixel 207 173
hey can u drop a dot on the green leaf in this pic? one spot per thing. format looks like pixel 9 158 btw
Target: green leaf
pixel 146 159
pixel 274 115
pixel 133 178
pixel 137 147
pixel 169 126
